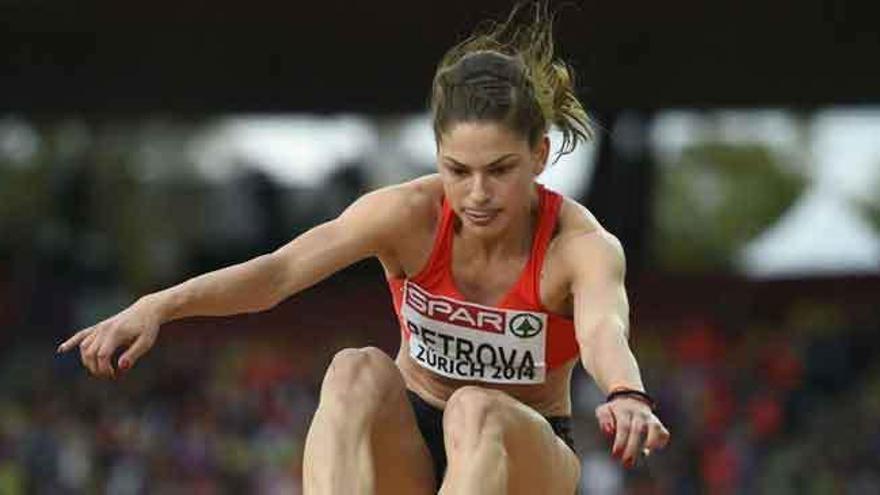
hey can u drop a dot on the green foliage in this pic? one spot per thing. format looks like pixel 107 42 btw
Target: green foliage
pixel 716 199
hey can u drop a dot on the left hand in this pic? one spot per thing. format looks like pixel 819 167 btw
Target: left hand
pixel 634 428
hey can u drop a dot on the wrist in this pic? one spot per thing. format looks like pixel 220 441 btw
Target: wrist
pixel 632 393
pixel 159 304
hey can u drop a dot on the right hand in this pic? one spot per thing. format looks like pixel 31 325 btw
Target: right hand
pixel 136 328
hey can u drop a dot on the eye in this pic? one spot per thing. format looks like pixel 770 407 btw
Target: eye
pixel 499 171
pixel 458 171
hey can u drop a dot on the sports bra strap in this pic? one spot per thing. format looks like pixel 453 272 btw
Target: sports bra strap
pixel 442 247
pixel 550 204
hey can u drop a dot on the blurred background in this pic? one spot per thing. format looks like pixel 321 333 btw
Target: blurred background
pixel 737 157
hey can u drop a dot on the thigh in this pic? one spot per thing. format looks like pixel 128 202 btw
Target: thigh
pixel 403 463
pixel 364 395
pixel 538 461
pixel 430 422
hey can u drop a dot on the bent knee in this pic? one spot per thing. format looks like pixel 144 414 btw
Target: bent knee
pixel 361 376
pixel 471 400
pixel 473 411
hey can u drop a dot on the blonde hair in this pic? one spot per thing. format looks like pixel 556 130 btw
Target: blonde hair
pixel 507 72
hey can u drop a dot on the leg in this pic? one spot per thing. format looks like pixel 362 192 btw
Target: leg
pixel 363 438
pixel 497 445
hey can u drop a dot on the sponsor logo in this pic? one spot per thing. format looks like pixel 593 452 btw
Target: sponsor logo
pixel 447 310
pixel 469 341
pixel 525 325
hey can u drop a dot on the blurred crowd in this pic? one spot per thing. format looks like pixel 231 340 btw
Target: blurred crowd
pixel 778 403
pixel 194 417
pixel 782 404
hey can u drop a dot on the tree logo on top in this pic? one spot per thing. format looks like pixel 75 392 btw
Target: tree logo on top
pixel 525 325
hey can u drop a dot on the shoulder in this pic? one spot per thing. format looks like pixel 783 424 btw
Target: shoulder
pixel 412 202
pixel 397 212
pixel 401 201
pixel 583 244
pixel 421 196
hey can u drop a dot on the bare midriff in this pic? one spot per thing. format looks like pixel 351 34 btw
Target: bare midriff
pixel 550 398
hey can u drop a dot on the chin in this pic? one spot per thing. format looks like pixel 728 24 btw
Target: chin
pixel 489 229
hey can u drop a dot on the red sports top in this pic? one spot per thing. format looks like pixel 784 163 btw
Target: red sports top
pixel 505 343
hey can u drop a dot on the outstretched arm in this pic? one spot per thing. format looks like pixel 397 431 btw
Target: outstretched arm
pixel 601 313
pixel 255 285
pixel 263 282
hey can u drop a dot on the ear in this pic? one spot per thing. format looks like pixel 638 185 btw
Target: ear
pixel 541 153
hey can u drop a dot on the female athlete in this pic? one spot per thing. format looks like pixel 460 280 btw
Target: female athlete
pixel 500 286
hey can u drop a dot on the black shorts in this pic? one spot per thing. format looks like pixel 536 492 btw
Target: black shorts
pixel 430 421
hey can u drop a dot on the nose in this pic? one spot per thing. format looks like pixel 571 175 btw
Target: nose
pixel 479 193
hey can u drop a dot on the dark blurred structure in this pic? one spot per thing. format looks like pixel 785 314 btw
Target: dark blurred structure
pixel 769 386
pixel 377 57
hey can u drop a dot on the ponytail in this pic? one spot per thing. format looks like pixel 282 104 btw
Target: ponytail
pixel 507 72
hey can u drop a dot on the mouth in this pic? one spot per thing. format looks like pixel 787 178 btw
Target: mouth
pixel 480 217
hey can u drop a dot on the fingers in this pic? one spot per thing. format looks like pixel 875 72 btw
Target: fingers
pixel 96 350
pixel 140 346
pixel 92 355
pixel 99 343
pixel 605 416
pixel 632 430
pixel 621 437
pixel 74 340
pixel 84 355
pixel 104 356
pixel 633 442
pixel 658 436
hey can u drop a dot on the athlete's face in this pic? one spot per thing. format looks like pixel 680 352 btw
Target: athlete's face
pixel 488 174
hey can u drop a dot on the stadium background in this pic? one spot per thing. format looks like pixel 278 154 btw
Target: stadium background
pixel 737 158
